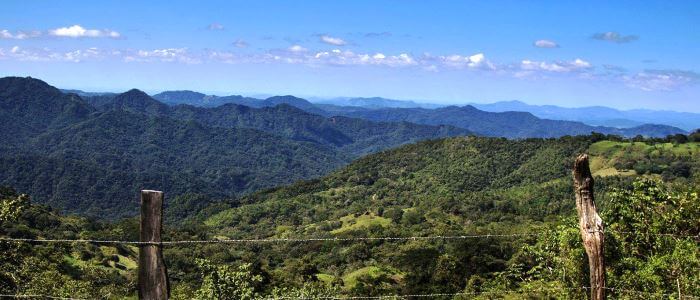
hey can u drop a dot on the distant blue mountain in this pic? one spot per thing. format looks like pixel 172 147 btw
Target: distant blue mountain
pixel 510 124
pixel 600 115
pixel 375 102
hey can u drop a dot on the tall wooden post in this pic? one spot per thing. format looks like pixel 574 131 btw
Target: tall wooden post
pixel 153 276
pixel 591 225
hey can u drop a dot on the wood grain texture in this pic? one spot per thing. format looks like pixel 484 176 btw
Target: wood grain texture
pixel 153 275
pixel 590 225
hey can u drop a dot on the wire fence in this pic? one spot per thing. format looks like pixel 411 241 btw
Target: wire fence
pixel 322 239
pixel 362 239
pixel 617 291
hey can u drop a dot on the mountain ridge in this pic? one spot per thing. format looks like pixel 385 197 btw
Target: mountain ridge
pixel 91 159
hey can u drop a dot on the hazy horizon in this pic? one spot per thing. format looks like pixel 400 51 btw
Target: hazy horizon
pixel 540 53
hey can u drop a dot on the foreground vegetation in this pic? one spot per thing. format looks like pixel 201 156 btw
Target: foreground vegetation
pixel 647 192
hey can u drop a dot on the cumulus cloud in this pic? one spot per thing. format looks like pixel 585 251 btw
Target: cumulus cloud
pixel 614 37
pixel 545 44
pixel 457 61
pixel 18 35
pixel 335 41
pixel 77 31
pixel 239 43
pixel 162 55
pixel 215 26
pixel 647 80
pixel 296 48
pixel 661 80
pixel 48 55
pixel 575 65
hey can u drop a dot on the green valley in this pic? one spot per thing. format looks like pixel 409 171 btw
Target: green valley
pixel 447 187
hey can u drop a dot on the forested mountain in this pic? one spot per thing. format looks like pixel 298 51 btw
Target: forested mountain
pixel 590 115
pixel 506 124
pixel 518 191
pixel 202 100
pixel 29 107
pixel 351 135
pixel 473 185
pixel 600 115
pixel 510 123
pixel 93 159
pixel 199 99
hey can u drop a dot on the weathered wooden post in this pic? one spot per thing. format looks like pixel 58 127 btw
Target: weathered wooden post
pixel 153 276
pixel 591 225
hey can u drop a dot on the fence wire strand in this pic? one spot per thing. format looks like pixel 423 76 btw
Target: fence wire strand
pixel 409 296
pixel 308 240
pixel 348 239
pixel 274 240
pixel 37 296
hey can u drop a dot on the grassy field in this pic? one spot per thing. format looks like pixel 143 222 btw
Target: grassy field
pixel 605 154
pixel 350 280
pixel 352 222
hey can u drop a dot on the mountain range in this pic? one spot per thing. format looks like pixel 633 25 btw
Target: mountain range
pixel 510 124
pixel 600 115
pixel 89 152
pixel 91 156
pixel 591 115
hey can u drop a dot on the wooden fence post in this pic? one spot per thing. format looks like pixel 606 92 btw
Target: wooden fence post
pixel 153 276
pixel 591 225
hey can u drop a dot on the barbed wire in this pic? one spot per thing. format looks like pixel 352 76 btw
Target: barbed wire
pixel 327 239
pixel 432 295
pixel 274 240
pixel 629 291
pixel 37 296
pixel 408 296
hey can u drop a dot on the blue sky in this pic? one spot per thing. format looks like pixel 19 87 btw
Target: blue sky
pixel 625 54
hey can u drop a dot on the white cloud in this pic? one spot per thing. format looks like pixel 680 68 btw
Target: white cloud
pixel 297 48
pixel 339 57
pixel 162 55
pixel 19 35
pixel 576 65
pixel 215 26
pixel 648 80
pixel 48 55
pixel 335 41
pixel 239 43
pixel 545 44
pixel 661 80
pixel 475 61
pixel 77 31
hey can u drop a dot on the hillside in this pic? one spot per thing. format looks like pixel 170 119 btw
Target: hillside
pixel 350 135
pixel 507 124
pixel 202 100
pixel 447 187
pixel 503 119
pixel 451 187
pixel 96 166
pixel 92 159
pixel 29 106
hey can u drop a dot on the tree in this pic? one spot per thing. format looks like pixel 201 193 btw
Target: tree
pixel 227 282
pixel 11 204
